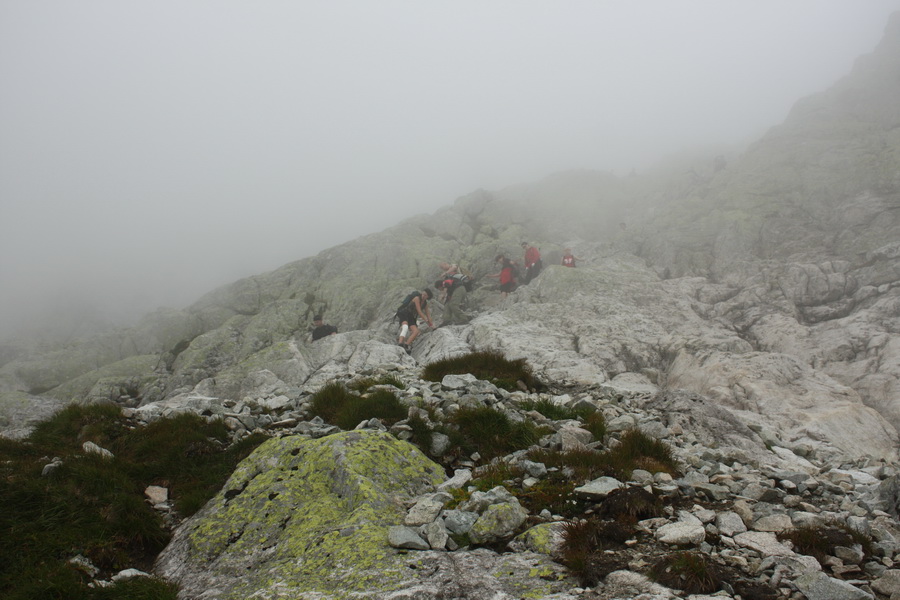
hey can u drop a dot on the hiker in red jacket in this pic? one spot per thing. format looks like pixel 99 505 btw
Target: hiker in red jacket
pixel 506 275
pixel 568 259
pixel 532 262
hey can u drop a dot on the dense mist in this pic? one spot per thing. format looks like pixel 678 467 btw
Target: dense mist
pixel 151 152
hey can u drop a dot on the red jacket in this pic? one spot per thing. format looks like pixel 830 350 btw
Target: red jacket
pixel 532 255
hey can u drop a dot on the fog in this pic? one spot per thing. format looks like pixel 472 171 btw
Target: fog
pixel 152 151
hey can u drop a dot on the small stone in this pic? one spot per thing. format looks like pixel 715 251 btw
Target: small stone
pixel 405 537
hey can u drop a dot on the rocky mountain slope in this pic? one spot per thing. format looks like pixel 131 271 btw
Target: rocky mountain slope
pixel 768 286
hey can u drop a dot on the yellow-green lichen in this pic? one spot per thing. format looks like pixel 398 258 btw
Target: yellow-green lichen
pixel 541 538
pixel 312 515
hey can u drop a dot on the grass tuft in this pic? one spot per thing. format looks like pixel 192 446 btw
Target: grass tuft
pixel 337 405
pixel 554 411
pixel 553 493
pixel 637 450
pixel 819 541
pixel 584 542
pixel 497 473
pixel 596 424
pixel 630 504
pixel 488 365
pixel 691 572
pixel 490 432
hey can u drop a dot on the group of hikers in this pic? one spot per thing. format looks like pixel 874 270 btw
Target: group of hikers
pixel 453 287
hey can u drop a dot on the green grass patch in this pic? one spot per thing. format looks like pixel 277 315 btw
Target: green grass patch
pixel 580 464
pixel 636 450
pixel 497 473
pixel 488 365
pixel 591 420
pixel 95 506
pixel 490 432
pixel 553 493
pixel 339 406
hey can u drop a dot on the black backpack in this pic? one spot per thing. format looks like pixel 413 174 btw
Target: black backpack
pixel 407 300
pixel 463 280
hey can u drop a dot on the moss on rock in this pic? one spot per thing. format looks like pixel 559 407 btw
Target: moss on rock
pixel 303 515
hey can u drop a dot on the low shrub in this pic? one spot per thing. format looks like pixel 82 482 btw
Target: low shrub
pixel 328 401
pixel 457 497
pixel 138 588
pixel 635 450
pixel 488 365
pixel 422 434
pixel 75 424
pixel 592 421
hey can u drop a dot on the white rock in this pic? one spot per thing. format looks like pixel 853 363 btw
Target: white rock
pixel 599 488
pixel 92 448
pixel 156 494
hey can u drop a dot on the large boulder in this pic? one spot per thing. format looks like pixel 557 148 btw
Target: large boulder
pixel 310 518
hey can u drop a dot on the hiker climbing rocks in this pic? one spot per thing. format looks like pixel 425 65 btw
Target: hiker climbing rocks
pixel 568 259
pixel 448 269
pixel 506 275
pixel 533 262
pixel 415 305
pixel 455 291
pixel 320 329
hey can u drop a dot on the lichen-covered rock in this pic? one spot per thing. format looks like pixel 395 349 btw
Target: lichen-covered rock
pixel 498 522
pixel 544 538
pixel 313 519
pixel 302 515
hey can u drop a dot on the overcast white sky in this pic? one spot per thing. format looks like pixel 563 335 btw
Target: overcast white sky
pixel 151 151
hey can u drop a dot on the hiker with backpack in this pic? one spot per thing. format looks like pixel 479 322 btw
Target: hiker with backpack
pixel 455 290
pixel 320 329
pixel 506 275
pixel 448 269
pixel 415 305
pixel 533 262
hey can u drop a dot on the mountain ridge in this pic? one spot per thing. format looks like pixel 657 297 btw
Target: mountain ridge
pixel 756 246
